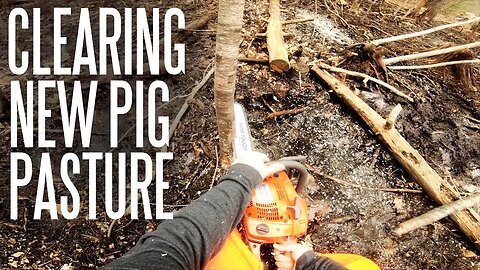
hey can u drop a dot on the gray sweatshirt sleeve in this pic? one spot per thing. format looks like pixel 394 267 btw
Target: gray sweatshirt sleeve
pixel 311 261
pixel 197 231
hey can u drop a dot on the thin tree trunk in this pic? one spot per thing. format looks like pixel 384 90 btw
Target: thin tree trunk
pixel 230 20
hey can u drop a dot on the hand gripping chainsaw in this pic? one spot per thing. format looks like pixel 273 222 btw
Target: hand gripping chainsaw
pixel 276 214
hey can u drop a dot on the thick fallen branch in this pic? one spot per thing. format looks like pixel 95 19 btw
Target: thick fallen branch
pixel 414 56
pixel 439 190
pixel 365 76
pixel 424 32
pixel 472 61
pixel 436 214
pixel 277 52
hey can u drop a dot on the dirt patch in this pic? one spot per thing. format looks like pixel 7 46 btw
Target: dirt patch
pixel 344 218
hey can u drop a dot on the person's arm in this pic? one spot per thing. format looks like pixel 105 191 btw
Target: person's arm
pixel 303 258
pixel 311 261
pixel 199 230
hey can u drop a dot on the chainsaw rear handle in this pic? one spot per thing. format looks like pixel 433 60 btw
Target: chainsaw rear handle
pixel 302 179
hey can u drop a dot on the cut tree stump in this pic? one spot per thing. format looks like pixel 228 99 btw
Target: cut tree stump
pixel 438 189
pixel 277 52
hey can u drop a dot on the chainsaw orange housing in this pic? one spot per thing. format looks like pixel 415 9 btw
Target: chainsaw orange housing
pixel 276 212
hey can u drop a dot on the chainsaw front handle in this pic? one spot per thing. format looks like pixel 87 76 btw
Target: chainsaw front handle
pixel 302 179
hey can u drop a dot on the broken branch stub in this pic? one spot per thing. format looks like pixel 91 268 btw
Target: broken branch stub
pixel 392 117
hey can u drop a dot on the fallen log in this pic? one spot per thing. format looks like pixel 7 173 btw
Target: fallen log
pixel 414 56
pixel 436 188
pixel 277 52
pixel 436 214
pixel 424 32
pixel 443 64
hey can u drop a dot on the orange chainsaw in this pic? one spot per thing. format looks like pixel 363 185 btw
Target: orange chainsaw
pixel 276 214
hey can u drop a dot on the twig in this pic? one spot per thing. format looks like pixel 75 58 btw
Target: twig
pixel 402 58
pixel 125 135
pixel 285 112
pixel 346 183
pixel 185 105
pixel 11 225
pixel 436 214
pixel 365 76
pixel 110 228
pixel 174 205
pixel 472 119
pixel 344 22
pixel 284 34
pixel 293 21
pixel 193 180
pixel 472 126
pixel 253 60
pixel 299 81
pixel 424 32
pixel 127 212
pixel 472 61
pixel 216 167
pixel 338 220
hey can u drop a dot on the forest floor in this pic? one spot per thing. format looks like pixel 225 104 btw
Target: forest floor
pixel 337 144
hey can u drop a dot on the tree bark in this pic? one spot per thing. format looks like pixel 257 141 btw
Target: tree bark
pixel 277 52
pixel 230 20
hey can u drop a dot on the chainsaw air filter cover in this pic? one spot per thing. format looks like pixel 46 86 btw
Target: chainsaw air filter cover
pixel 276 211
